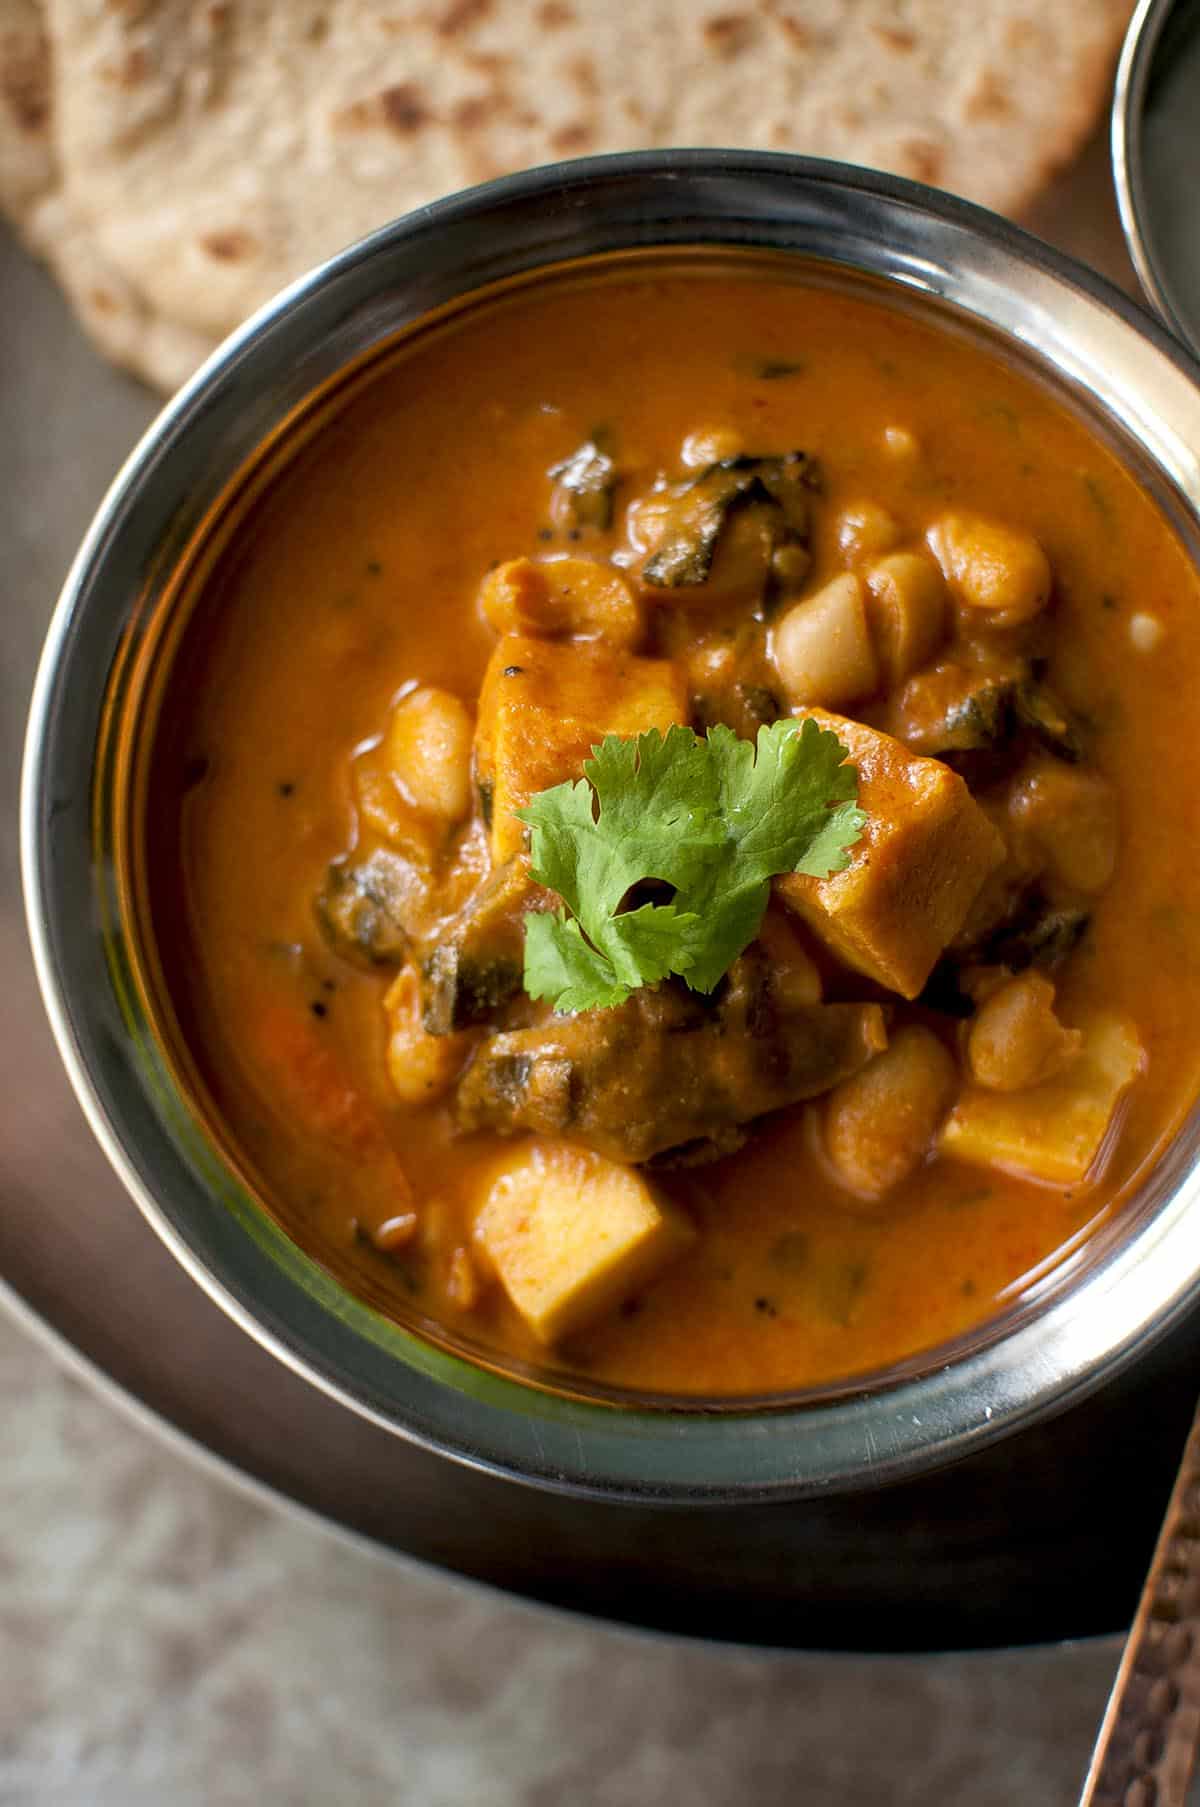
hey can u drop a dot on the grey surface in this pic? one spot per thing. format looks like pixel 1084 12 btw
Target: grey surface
pixel 162 1639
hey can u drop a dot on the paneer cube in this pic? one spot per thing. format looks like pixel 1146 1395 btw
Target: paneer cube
pixel 1054 1131
pixel 925 852
pixel 571 1235
pixel 545 704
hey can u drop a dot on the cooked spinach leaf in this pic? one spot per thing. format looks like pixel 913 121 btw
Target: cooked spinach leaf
pixel 704 505
pixel 588 481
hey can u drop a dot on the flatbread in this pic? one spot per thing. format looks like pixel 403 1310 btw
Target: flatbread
pixel 205 154
pixel 118 319
pixel 27 163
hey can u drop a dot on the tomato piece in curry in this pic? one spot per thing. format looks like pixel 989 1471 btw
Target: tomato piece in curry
pixel 697 492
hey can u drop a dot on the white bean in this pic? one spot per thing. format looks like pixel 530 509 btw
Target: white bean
pixel 383 807
pixel 1064 819
pixel 866 530
pixel 428 747
pixel 880 1123
pixel 1145 632
pixel 990 567
pixel 710 445
pixel 1016 1040
pixel 569 596
pixel 795 980
pixel 464 1285
pixel 822 647
pixel 906 608
pixel 901 445
pixel 420 1066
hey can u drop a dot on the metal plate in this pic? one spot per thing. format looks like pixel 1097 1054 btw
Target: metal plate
pixel 1154 157
pixel 1042 1538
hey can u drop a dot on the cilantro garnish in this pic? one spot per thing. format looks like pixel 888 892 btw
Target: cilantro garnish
pixel 714 819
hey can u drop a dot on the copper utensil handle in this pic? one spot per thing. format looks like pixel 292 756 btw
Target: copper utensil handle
pixel 1146 1747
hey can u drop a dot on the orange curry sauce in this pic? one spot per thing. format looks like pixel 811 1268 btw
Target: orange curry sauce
pixel 357 574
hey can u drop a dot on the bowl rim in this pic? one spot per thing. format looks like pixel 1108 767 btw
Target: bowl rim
pixel 1127 127
pixel 501 1425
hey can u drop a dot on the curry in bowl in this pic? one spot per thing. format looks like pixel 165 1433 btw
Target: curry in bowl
pixel 670 841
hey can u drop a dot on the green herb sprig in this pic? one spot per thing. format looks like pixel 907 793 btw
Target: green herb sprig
pixel 714 818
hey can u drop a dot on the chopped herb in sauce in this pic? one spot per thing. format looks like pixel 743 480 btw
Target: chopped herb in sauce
pixel 1039 933
pixel 776 370
pixel 839 1286
pixel 791 1251
pixel 1098 497
pixel 969 1199
pixel 1001 414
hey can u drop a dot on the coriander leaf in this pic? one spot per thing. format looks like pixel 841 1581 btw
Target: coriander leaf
pixel 774 800
pixel 560 819
pixel 560 965
pixel 657 938
pixel 833 844
pixel 775 796
pixel 656 819
pixel 657 796
pixel 727 921
pixel 716 819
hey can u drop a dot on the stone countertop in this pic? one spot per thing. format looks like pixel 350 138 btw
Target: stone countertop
pixel 167 1642
pixel 164 1639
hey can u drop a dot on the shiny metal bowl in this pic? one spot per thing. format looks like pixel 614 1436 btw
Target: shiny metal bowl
pixel 1094 1311
pixel 1153 155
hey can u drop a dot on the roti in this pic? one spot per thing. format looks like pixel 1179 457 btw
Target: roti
pixel 121 322
pixel 194 158
pixel 26 152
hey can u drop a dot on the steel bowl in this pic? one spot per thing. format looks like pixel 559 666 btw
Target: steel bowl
pixel 1154 157
pixel 1096 1308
